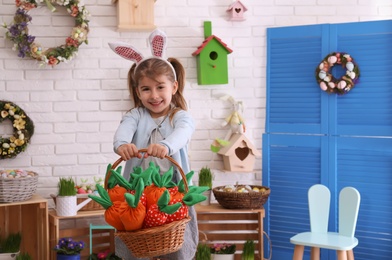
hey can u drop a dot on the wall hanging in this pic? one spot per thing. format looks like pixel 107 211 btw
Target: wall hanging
pixel 212 66
pixel 236 11
pixel 23 128
pixel 328 82
pixel 25 44
pixel 135 15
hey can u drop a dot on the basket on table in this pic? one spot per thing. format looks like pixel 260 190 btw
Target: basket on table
pixel 155 241
pixel 18 189
pixel 242 200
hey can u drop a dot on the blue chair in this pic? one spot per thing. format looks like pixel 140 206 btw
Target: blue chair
pixel 343 242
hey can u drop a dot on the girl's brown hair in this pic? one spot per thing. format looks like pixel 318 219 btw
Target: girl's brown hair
pixel 152 68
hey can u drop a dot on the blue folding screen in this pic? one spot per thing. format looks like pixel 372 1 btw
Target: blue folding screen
pixel 314 137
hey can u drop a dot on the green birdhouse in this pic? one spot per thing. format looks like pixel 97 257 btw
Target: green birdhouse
pixel 211 55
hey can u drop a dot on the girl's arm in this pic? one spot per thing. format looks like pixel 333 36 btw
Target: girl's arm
pixel 126 129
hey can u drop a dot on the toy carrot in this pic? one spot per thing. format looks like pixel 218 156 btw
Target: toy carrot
pixel 190 198
pixel 133 210
pixel 157 213
pixel 159 184
pixel 112 209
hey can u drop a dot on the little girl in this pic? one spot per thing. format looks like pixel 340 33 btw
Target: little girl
pixel 159 122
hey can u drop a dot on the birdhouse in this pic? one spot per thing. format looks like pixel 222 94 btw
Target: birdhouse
pixel 237 10
pixel 135 15
pixel 239 155
pixel 211 55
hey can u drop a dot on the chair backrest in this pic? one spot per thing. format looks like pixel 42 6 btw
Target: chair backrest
pixel 349 200
pixel 319 199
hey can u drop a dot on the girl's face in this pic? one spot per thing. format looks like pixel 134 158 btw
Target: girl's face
pixel 156 95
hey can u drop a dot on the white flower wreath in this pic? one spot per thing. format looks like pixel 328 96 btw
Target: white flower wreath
pixel 25 44
pixel 328 82
pixel 23 130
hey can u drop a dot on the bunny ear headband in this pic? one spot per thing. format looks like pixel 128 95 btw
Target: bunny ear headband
pixel 157 41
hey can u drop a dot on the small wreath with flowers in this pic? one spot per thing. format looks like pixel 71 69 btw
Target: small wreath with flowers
pixel 23 130
pixel 328 82
pixel 25 44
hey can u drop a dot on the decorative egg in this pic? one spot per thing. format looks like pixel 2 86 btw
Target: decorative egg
pixel 350 66
pixel 332 60
pixel 331 84
pixel 321 66
pixel 322 74
pixel 352 74
pixel 342 84
pixel 323 86
pixel 327 79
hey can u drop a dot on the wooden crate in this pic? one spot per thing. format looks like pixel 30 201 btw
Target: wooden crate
pixel 78 228
pixel 29 217
pixel 234 226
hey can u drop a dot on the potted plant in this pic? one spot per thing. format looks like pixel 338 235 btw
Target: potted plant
pixel 68 249
pixel 223 251
pixel 24 256
pixel 203 252
pixel 10 246
pixel 205 179
pixel 66 200
pixel 248 252
pixel 105 255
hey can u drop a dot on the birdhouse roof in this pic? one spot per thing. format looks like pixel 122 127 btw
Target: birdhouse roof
pixel 235 141
pixel 207 41
pixel 236 4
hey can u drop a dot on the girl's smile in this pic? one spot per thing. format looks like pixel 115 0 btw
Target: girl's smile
pixel 156 94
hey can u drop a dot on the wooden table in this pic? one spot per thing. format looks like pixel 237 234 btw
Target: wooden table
pixel 217 224
pixel 30 218
pixel 79 229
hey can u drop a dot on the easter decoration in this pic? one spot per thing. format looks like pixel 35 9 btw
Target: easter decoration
pixel 148 207
pixel 23 128
pixel 17 185
pixel 25 44
pixel 328 82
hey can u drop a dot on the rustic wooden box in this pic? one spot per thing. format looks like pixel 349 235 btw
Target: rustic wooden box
pixel 231 226
pixel 78 227
pixel 29 217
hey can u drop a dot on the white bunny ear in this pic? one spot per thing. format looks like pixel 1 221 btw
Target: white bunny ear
pixel 126 51
pixel 158 43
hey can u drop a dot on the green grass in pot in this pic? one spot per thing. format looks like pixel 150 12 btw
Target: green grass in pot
pixel 248 252
pixel 205 177
pixel 203 252
pixel 11 244
pixel 23 256
pixel 67 187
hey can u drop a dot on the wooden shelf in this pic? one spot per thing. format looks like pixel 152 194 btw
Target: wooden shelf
pixel 231 225
pixel 30 218
pixel 78 227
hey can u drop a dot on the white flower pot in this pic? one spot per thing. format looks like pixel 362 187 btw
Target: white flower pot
pixel 222 256
pixel 207 193
pixel 8 256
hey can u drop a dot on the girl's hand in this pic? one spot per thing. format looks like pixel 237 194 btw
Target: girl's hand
pixel 157 150
pixel 128 151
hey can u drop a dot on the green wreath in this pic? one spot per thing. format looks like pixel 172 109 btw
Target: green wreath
pixel 328 82
pixel 18 32
pixel 23 130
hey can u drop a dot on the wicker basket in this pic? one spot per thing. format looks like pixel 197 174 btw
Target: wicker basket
pixel 155 241
pixel 240 200
pixel 20 189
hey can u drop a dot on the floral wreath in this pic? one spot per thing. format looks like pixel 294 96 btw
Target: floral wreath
pixel 23 130
pixel 24 43
pixel 328 82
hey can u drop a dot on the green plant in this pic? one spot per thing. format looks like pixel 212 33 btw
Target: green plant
pixel 205 177
pixel 66 187
pixel 24 256
pixel 248 252
pixel 105 255
pixel 203 252
pixel 67 246
pixel 223 248
pixel 11 244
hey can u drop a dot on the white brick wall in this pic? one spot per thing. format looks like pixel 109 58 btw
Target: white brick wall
pixel 76 107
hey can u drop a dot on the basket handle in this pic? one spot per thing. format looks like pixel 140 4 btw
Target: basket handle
pixel 116 163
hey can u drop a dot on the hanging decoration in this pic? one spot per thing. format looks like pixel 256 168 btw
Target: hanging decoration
pixel 25 44
pixel 328 82
pixel 23 130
